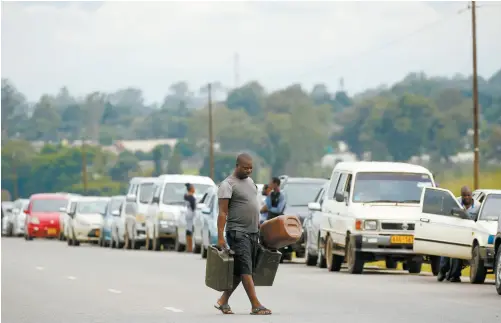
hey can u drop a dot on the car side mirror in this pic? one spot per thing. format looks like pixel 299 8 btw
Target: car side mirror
pixel 339 197
pixel 460 213
pixel 314 206
pixel 9 209
pixel 62 209
pixel 26 211
pixel 131 198
pixel 206 211
pixel 115 213
pixel 155 199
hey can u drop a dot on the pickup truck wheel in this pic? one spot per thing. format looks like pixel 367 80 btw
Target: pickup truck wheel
pixel 391 263
pixel 414 267
pixel 435 265
pixel 333 262
pixel 354 259
pixel 497 270
pixel 321 263
pixel 477 267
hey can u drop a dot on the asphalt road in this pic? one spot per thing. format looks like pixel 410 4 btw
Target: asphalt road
pixel 46 281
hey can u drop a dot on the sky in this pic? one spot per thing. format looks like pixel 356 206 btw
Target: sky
pixel 104 46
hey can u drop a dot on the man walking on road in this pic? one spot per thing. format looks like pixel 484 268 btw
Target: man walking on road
pixel 451 268
pixel 239 212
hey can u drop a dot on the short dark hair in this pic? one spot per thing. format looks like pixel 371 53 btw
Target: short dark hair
pixel 276 180
pixel 265 186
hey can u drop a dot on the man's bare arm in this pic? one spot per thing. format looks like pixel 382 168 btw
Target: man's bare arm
pixel 264 209
pixel 221 219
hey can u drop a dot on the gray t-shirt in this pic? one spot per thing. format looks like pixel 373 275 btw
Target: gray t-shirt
pixel 243 207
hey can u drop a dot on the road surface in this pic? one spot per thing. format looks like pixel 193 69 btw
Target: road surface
pixel 46 281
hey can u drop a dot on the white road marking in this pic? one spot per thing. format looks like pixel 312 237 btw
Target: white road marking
pixel 39 268
pixel 71 277
pixel 114 291
pixel 173 309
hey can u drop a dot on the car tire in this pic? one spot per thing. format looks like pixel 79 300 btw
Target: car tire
pixel 391 263
pixel 309 259
pixel 414 266
pixel 497 270
pixel 478 272
pixel 435 265
pixel 354 258
pixel 321 263
pixel 178 246
pixel 333 262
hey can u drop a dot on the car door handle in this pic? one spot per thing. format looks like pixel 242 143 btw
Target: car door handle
pixel 425 220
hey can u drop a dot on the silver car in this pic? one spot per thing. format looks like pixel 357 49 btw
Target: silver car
pixel 311 227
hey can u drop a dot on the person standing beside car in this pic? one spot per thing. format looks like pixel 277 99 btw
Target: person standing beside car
pixel 275 201
pixel 450 268
pixel 191 207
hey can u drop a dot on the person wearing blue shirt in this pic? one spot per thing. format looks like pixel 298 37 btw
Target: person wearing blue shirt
pixel 451 268
pixel 275 201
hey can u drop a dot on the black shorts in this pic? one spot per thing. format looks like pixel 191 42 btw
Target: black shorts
pixel 245 246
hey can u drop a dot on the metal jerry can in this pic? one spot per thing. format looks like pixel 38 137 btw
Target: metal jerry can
pixel 266 266
pixel 219 269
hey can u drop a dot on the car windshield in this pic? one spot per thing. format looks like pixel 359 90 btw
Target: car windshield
pixel 390 187
pixel 300 194
pixel 48 205
pixel 492 208
pixel 94 206
pixel 174 192
pixel 146 192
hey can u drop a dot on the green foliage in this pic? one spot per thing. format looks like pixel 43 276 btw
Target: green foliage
pixel 224 164
pixel 286 130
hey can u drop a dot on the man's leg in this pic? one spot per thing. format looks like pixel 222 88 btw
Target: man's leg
pixel 444 268
pixel 225 298
pixel 456 266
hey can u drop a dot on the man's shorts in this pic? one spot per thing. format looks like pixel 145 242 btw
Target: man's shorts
pixel 245 247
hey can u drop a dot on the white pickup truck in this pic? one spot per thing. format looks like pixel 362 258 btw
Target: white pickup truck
pixel 369 214
pixel 445 229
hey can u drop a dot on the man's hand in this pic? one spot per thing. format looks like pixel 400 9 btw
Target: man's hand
pixel 221 242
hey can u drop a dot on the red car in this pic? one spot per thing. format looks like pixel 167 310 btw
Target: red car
pixel 42 215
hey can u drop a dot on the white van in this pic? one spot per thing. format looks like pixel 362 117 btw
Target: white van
pixel 136 204
pixel 165 218
pixel 370 213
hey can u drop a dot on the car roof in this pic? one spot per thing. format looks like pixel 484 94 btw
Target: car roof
pixel 192 179
pixel 373 166
pixel 487 191
pixel 139 180
pixel 289 180
pixel 50 196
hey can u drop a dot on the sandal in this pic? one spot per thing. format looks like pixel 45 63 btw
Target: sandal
pixel 261 310
pixel 225 308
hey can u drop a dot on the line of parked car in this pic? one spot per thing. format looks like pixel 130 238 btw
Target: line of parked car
pixel 366 211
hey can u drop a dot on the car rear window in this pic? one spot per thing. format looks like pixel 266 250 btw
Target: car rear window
pixel 48 205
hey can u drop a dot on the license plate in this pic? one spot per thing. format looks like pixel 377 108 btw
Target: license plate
pixel 402 239
pixel 98 232
pixel 51 231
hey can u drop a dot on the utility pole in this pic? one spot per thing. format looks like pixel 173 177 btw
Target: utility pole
pixel 84 166
pixel 211 135
pixel 14 177
pixel 476 170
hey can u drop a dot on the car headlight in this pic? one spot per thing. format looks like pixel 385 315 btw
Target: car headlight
pixel 34 220
pixel 370 225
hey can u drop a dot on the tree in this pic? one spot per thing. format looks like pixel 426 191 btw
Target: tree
pixel 174 165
